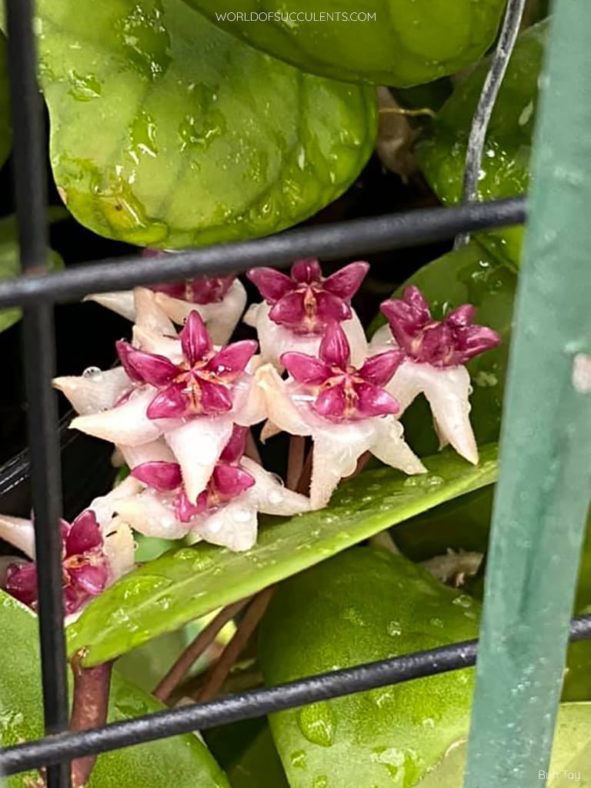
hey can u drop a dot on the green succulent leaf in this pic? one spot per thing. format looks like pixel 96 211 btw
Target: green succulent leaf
pixel 571 754
pixel 21 715
pixel 468 275
pixel 254 764
pixel 441 153
pixel 10 264
pixel 397 42
pixel 184 584
pixel 166 131
pixel 5 122
pixel 363 605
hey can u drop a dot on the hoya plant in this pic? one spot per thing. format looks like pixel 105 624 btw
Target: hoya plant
pixel 281 471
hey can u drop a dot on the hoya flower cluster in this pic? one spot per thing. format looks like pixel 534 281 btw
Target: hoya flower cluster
pixel 179 406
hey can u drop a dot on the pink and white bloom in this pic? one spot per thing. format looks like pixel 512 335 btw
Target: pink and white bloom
pixel 435 353
pixel 191 393
pixel 225 512
pixel 219 300
pixel 298 308
pixel 93 557
pixel 345 409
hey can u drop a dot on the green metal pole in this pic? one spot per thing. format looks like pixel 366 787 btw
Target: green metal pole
pixel 545 478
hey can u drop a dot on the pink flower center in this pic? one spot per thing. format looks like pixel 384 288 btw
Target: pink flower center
pixel 306 302
pixel 84 566
pixel 339 391
pixel 450 342
pixel 202 384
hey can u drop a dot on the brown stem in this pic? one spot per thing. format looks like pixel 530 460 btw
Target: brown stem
pixel 295 460
pixel 195 649
pixel 89 709
pixel 218 672
pixel 252 450
pixel 303 485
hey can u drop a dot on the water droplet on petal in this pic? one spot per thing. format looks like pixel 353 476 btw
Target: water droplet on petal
pixel 95 373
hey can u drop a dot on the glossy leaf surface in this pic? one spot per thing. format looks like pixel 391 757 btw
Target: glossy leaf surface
pixel 259 765
pixel 505 168
pixel 168 132
pixel 21 718
pixel 363 605
pixel 181 585
pixel 571 754
pixel 387 42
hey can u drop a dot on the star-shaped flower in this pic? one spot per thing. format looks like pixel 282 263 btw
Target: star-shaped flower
pixel 346 410
pixel 190 392
pixel 297 309
pixel 219 300
pixel 91 558
pixel 435 353
pixel 225 513
pixel 200 384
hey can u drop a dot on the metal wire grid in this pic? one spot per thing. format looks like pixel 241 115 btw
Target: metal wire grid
pixel 38 294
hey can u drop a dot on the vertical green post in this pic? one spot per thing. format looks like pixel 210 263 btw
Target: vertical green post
pixel 545 480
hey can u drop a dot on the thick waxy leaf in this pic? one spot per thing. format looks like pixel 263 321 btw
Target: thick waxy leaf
pixel 571 754
pixel 5 124
pixel 168 132
pixel 469 275
pixel 21 718
pixel 246 751
pixel 505 168
pixel 366 604
pixel 388 42
pixel 181 585
pixel 259 766
pixel 9 258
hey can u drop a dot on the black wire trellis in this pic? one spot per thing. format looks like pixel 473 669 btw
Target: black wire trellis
pixel 38 293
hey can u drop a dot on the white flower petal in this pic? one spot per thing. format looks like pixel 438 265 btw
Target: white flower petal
pixel 197 446
pixel 18 532
pixel 250 316
pixel 336 451
pixel 269 431
pixel 391 448
pixel 119 549
pixel 121 302
pixel 280 407
pixel 275 339
pixel 250 403
pixel 271 496
pixel 94 392
pixel 233 526
pixel 220 318
pixel 406 385
pixel 127 424
pixel 149 514
pixel 382 340
pixel 448 392
pixel 151 341
pixel 157 451
pixel 106 506
pixel 149 314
